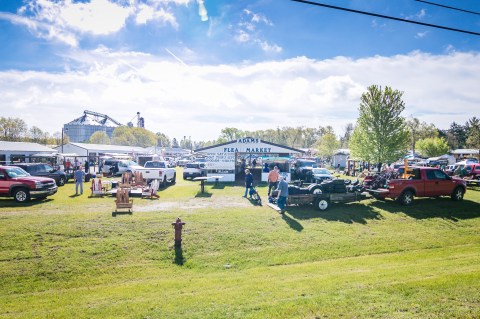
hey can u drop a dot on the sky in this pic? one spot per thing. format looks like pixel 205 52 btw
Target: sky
pixel 193 67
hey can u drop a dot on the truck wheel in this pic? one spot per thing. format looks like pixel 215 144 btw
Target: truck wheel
pixel 21 195
pixel 164 183
pixel 174 179
pixel 406 198
pixel 184 177
pixel 321 204
pixel 457 194
pixel 315 189
pixel 61 181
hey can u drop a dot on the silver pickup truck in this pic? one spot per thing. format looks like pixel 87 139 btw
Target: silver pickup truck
pixel 156 170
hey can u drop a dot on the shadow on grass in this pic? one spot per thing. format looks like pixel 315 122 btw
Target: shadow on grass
pixel 179 259
pixel 9 203
pixel 345 213
pixel 292 222
pixel 423 208
pixel 218 186
pixel 205 194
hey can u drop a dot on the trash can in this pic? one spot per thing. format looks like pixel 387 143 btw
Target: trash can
pixel 87 177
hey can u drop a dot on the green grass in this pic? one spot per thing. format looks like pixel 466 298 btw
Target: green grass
pixel 67 257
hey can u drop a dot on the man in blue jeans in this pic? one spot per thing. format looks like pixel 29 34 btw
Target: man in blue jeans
pixel 248 183
pixel 282 194
pixel 79 177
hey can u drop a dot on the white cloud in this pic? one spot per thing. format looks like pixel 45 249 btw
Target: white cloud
pixel 417 16
pixel 67 21
pixel 248 32
pixel 199 101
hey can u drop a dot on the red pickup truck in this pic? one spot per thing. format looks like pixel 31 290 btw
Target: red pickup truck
pixel 16 183
pixel 423 182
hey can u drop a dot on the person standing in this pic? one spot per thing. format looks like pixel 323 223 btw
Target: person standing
pixel 273 177
pixel 282 194
pixel 248 182
pixel 79 176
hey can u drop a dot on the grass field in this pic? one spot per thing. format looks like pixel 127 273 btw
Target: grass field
pixel 67 257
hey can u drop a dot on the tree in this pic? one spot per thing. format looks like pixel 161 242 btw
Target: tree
pixel 346 137
pixel 420 130
pixel 99 137
pixel 143 137
pixel 123 135
pixel 36 135
pixel 12 129
pixel 163 140
pixel 380 134
pixel 175 143
pixel 327 144
pixel 231 133
pixel 431 147
pixel 473 131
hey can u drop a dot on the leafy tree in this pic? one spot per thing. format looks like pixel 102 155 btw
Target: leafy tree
pixel 420 130
pixel 143 137
pixel 36 135
pixel 380 134
pixel 12 129
pixel 346 137
pixel 327 144
pixel 99 137
pixel 123 135
pixel 231 133
pixel 473 129
pixel 163 140
pixel 175 143
pixel 430 147
pixel 456 136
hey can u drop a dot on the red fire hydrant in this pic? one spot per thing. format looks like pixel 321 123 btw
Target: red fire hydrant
pixel 178 225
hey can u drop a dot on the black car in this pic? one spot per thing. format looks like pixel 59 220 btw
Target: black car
pixel 44 170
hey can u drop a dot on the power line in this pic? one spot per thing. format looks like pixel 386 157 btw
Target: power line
pixel 386 17
pixel 443 6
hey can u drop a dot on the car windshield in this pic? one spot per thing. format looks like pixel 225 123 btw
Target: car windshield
pixel 320 171
pixel 155 165
pixel 16 172
pixel 307 163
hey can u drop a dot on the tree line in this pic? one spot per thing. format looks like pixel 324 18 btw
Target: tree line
pixel 381 133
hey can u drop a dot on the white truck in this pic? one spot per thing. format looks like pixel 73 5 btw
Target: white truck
pixel 156 170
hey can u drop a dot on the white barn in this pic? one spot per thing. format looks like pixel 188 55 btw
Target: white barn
pixel 229 159
pixel 11 152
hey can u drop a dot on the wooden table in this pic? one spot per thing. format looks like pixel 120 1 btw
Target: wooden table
pixel 203 179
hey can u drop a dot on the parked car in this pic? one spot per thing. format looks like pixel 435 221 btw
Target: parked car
pixel 17 183
pixel 44 170
pixel 473 170
pixel 422 182
pixel 117 166
pixel 193 170
pixel 156 170
pixel 321 174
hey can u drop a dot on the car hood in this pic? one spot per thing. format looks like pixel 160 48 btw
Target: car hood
pixel 34 178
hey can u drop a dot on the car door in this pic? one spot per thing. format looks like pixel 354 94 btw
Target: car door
pixel 437 183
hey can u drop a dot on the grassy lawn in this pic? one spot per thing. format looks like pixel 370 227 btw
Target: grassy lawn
pixel 67 257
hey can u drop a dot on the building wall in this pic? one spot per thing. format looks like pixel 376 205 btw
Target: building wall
pixel 81 133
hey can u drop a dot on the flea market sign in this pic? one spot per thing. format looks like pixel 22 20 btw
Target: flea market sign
pixel 223 157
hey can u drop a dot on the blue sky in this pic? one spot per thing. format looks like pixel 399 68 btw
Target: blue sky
pixel 247 64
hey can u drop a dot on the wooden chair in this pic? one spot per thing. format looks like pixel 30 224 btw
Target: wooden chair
pixel 151 191
pixel 126 181
pixel 123 201
pixel 138 179
pixel 97 188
